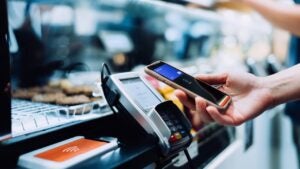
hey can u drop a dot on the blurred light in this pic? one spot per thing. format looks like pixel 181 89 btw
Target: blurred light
pixel 177 20
pixel 119 59
pixel 58 16
pixel 16 13
pixel 173 34
pixel 85 21
pixel 115 41
pixel 201 28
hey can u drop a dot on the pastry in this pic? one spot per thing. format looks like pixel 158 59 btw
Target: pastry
pixel 86 90
pixel 48 98
pixel 73 100
pixel 95 99
pixel 23 94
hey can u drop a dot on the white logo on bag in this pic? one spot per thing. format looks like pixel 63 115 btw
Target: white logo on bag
pixel 72 149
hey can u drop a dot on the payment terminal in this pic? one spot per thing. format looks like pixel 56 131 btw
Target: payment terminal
pixel 159 118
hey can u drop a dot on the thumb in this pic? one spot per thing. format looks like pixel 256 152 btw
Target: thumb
pixel 219 117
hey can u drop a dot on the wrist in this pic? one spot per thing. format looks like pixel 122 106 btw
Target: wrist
pixel 265 85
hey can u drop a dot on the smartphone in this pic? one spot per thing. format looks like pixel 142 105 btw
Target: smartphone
pixel 193 87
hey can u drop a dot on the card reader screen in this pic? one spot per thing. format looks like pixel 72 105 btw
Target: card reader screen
pixel 141 94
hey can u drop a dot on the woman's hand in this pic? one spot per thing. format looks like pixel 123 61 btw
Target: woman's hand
pixel 249 99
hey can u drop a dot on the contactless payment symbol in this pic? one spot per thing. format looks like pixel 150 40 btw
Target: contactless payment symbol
pixel 72 149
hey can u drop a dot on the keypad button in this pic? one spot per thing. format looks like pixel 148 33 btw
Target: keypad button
pixel 183 133
pixel 172 116
pixel 176 121
pixel 173 129
pixel 178 136
pixel 179 126
pixel 172 139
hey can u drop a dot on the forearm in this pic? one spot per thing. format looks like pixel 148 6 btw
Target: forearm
pixel 284 16
pixel 283 86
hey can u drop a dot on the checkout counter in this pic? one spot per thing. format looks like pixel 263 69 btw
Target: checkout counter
pixel 52 66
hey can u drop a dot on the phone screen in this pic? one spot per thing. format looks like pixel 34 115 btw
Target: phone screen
pixel 190 83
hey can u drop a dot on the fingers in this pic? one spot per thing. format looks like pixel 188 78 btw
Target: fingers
pixel 185 100
pixel 197 113
pixel 201 113
pixel 196 120
pixel 221 118
pixel 191 113
pixel 213 79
